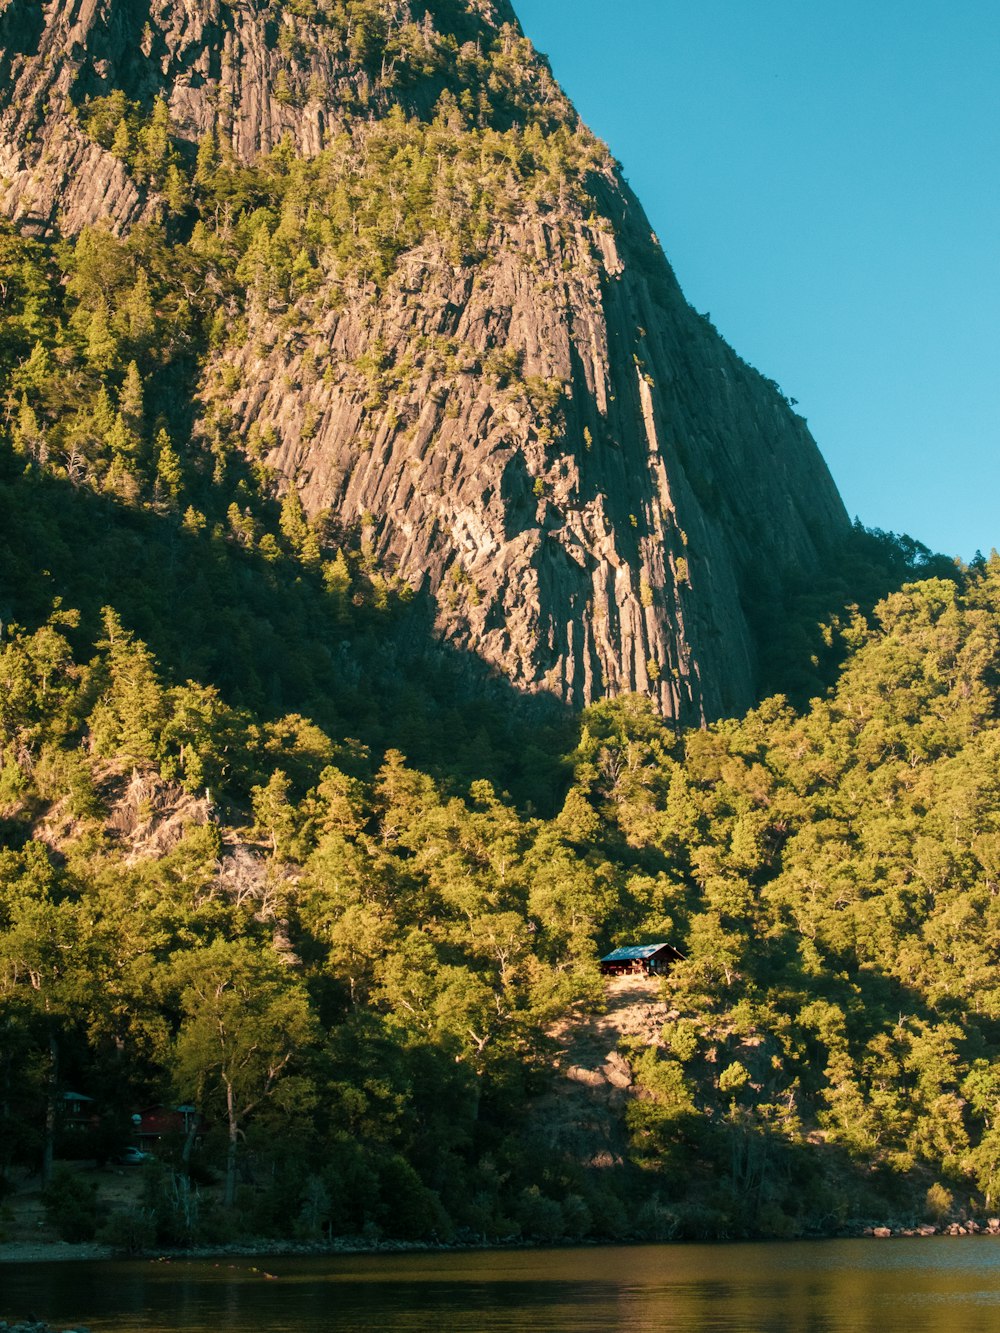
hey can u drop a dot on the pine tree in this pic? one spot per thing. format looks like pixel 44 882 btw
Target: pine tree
pixel 130 714
pixel 207 161
pixel 169 474
pixel 28 436
pixel 121 144
pixel 137 312
pixel 130 398
pixel 154 151
pixel 176 191
pixel 292 521
pixel 102 345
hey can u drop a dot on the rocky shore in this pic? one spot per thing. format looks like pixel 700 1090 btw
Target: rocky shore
pixel 967 1227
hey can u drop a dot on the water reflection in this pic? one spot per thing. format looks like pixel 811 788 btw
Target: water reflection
pixel 919 1286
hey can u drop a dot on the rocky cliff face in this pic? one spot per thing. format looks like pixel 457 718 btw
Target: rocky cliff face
pixel 536 429
pixel 252 70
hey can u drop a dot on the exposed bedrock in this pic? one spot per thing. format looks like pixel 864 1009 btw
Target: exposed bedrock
pixel 552 442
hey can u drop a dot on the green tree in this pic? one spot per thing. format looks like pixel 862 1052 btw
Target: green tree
pixel 129 716
pixel 244 1039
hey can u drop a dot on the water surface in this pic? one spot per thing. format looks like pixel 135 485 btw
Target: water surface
pixel 934 1285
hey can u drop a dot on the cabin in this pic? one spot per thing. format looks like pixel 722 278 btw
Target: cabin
pixel 651 960
pixel 157 1122
pixel 78 1109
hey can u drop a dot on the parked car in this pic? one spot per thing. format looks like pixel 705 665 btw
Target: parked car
pixel 133 1157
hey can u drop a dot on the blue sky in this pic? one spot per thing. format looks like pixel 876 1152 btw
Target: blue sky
pixel 824 176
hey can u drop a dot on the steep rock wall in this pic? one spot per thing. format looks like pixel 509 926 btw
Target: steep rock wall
pixel 549 441
pixel 594 544
pixel 252 71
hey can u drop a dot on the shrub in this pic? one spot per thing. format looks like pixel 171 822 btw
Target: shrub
pixel 540 1218
pixel 129 1232
pixel 71 1205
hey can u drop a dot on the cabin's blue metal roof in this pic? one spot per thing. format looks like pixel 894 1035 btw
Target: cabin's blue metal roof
pixel 631 952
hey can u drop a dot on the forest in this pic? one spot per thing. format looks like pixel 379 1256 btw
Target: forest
pixel 271 848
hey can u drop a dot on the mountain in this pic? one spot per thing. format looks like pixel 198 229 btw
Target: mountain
pixel 353 424
pixel 446 324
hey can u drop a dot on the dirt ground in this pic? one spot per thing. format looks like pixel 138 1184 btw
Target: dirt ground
pixel 26 1237
pixel 583 1116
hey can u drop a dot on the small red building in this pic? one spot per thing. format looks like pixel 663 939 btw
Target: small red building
pixel 159 1122
pixel 648 959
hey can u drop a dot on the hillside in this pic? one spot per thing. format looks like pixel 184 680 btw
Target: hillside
pixel 385 967
pixel 375 515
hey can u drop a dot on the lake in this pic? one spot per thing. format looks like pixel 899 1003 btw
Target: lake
pixel 937 1284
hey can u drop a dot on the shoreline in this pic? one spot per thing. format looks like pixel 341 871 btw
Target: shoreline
pixel 39 1252
pixel 55 1251
pixel 28 1252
